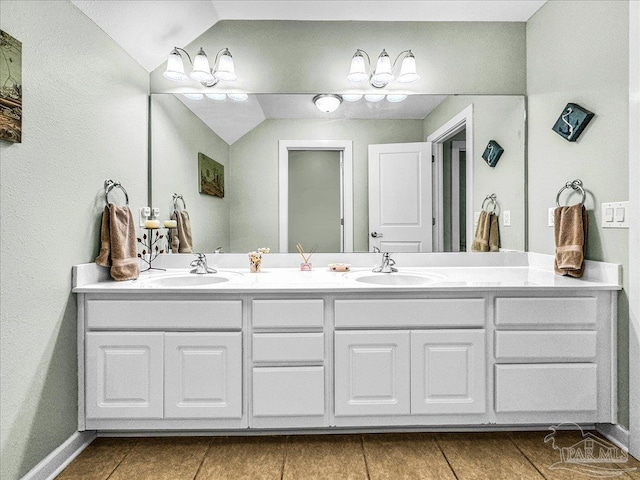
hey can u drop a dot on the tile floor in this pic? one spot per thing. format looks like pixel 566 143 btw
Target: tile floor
pixel 412 456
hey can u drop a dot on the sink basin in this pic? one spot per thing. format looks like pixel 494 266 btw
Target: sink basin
pixel 395 279
pixel 190 280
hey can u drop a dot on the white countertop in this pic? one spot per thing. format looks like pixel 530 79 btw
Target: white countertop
pixel 278 279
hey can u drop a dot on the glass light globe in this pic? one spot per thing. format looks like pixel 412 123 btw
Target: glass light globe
pixel 238 97
pixel 395 98
pixel 193 96
pixel 216 96
pixel 225 69
pixel 408 72
pixel 351 97
pixel 201 70
pixel 358 72
pixel 374 98
pixel 383 74
pixel 175 67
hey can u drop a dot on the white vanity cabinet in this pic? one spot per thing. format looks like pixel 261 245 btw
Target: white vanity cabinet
pixel 155 363
pixel 414 367
pixel 288 375
pixel 553 358
pixel 332 356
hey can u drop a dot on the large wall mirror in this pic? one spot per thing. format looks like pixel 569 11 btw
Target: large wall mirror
pixel 280 151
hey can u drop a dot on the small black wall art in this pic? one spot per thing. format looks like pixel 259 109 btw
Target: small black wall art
pixel 572 121
pixel 492 153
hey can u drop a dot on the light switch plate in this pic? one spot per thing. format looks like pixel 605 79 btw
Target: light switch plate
pixel 551 220
pixel 145 212
pixel 506 218
pixel 615 215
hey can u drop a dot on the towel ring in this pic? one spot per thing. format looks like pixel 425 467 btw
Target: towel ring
pixel 575 185
pixel 177 197
pixel 110 185
pixel 492 199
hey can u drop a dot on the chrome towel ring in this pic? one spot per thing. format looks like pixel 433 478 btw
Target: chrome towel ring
pixel 492 203
pixel 110 185
pixel 575 185
pixel 177 197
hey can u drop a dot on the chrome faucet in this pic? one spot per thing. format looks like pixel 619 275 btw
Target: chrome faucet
pixel 201 265
pixel 387 265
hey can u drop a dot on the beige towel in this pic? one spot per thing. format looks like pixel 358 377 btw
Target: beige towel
pixel 570 232
pixel 181 235
pixel 118 243
pixel 487 237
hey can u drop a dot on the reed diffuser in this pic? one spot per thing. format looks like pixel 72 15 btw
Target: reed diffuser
pixel 305 266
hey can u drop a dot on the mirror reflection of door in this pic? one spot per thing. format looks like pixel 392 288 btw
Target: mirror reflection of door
pixel 401 197
pixel 455 192
pixel 314 200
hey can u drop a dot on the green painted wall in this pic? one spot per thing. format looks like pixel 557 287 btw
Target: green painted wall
pixel 577 52
pixel 85 120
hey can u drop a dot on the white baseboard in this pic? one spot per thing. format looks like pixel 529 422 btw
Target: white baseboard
pixel 62 456
pixel 617 434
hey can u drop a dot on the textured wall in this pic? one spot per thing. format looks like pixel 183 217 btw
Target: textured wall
pixel 578 52
pixel 177 138
pixel 314 57
pixel 84 121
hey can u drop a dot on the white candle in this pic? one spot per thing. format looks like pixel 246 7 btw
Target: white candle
pixel 151 223
pixel 170 223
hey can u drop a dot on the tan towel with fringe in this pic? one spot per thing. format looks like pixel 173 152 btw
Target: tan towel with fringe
pixel 570 232
pixel 487 236
pixel 118 243
pixel 181 241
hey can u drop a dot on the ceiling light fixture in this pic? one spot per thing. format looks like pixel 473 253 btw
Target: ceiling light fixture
pixel 383 74
pixel 223 70
pixel 327 102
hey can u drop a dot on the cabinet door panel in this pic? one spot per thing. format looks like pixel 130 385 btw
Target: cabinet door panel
pixel 372 373
pixel 448 371
pixel 124 375
pixel 203 375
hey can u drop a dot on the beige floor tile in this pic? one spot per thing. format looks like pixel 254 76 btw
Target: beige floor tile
pixel 413 456
pixel 99 459
pixel 334 457
pixel 548 460
pixel 168 458
pixel 478 456
pixel 244 458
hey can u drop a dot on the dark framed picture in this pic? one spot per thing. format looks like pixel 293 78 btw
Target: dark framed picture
pixel 10 88
pixel 211 175
pixel 572 121
pixel 492 153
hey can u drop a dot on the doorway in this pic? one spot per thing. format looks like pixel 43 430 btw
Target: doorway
pixel 309 225
pixel 445 192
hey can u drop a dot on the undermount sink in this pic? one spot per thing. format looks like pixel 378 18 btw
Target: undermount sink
pixel 188 280
pixel 395 279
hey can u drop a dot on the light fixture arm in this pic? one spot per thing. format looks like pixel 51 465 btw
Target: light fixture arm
pixel 186 53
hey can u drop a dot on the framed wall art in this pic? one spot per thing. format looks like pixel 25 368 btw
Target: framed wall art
pixel 572 121
pixel 492 153
pixel 10 88
pixel 211 176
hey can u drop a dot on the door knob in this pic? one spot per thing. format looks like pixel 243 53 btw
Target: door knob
pixel 377 235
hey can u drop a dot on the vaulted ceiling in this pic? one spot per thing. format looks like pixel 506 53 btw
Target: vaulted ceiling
pixel 148 29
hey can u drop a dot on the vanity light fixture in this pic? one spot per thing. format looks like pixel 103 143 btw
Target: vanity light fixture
pixel 351 97
pixel 201 71
pixel 327 102
pixel 383 74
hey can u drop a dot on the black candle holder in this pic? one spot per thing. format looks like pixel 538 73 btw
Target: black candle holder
pixel 151 248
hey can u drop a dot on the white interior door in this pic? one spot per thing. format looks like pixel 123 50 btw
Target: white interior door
pixel 400 197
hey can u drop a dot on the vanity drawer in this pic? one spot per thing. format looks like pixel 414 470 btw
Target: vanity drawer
pixel 546 311
pixel 556 346
pixel 288 391
pixel 546 388
pixel 288 347
pixel 410 313
pixel 308 313
pixel 164 314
